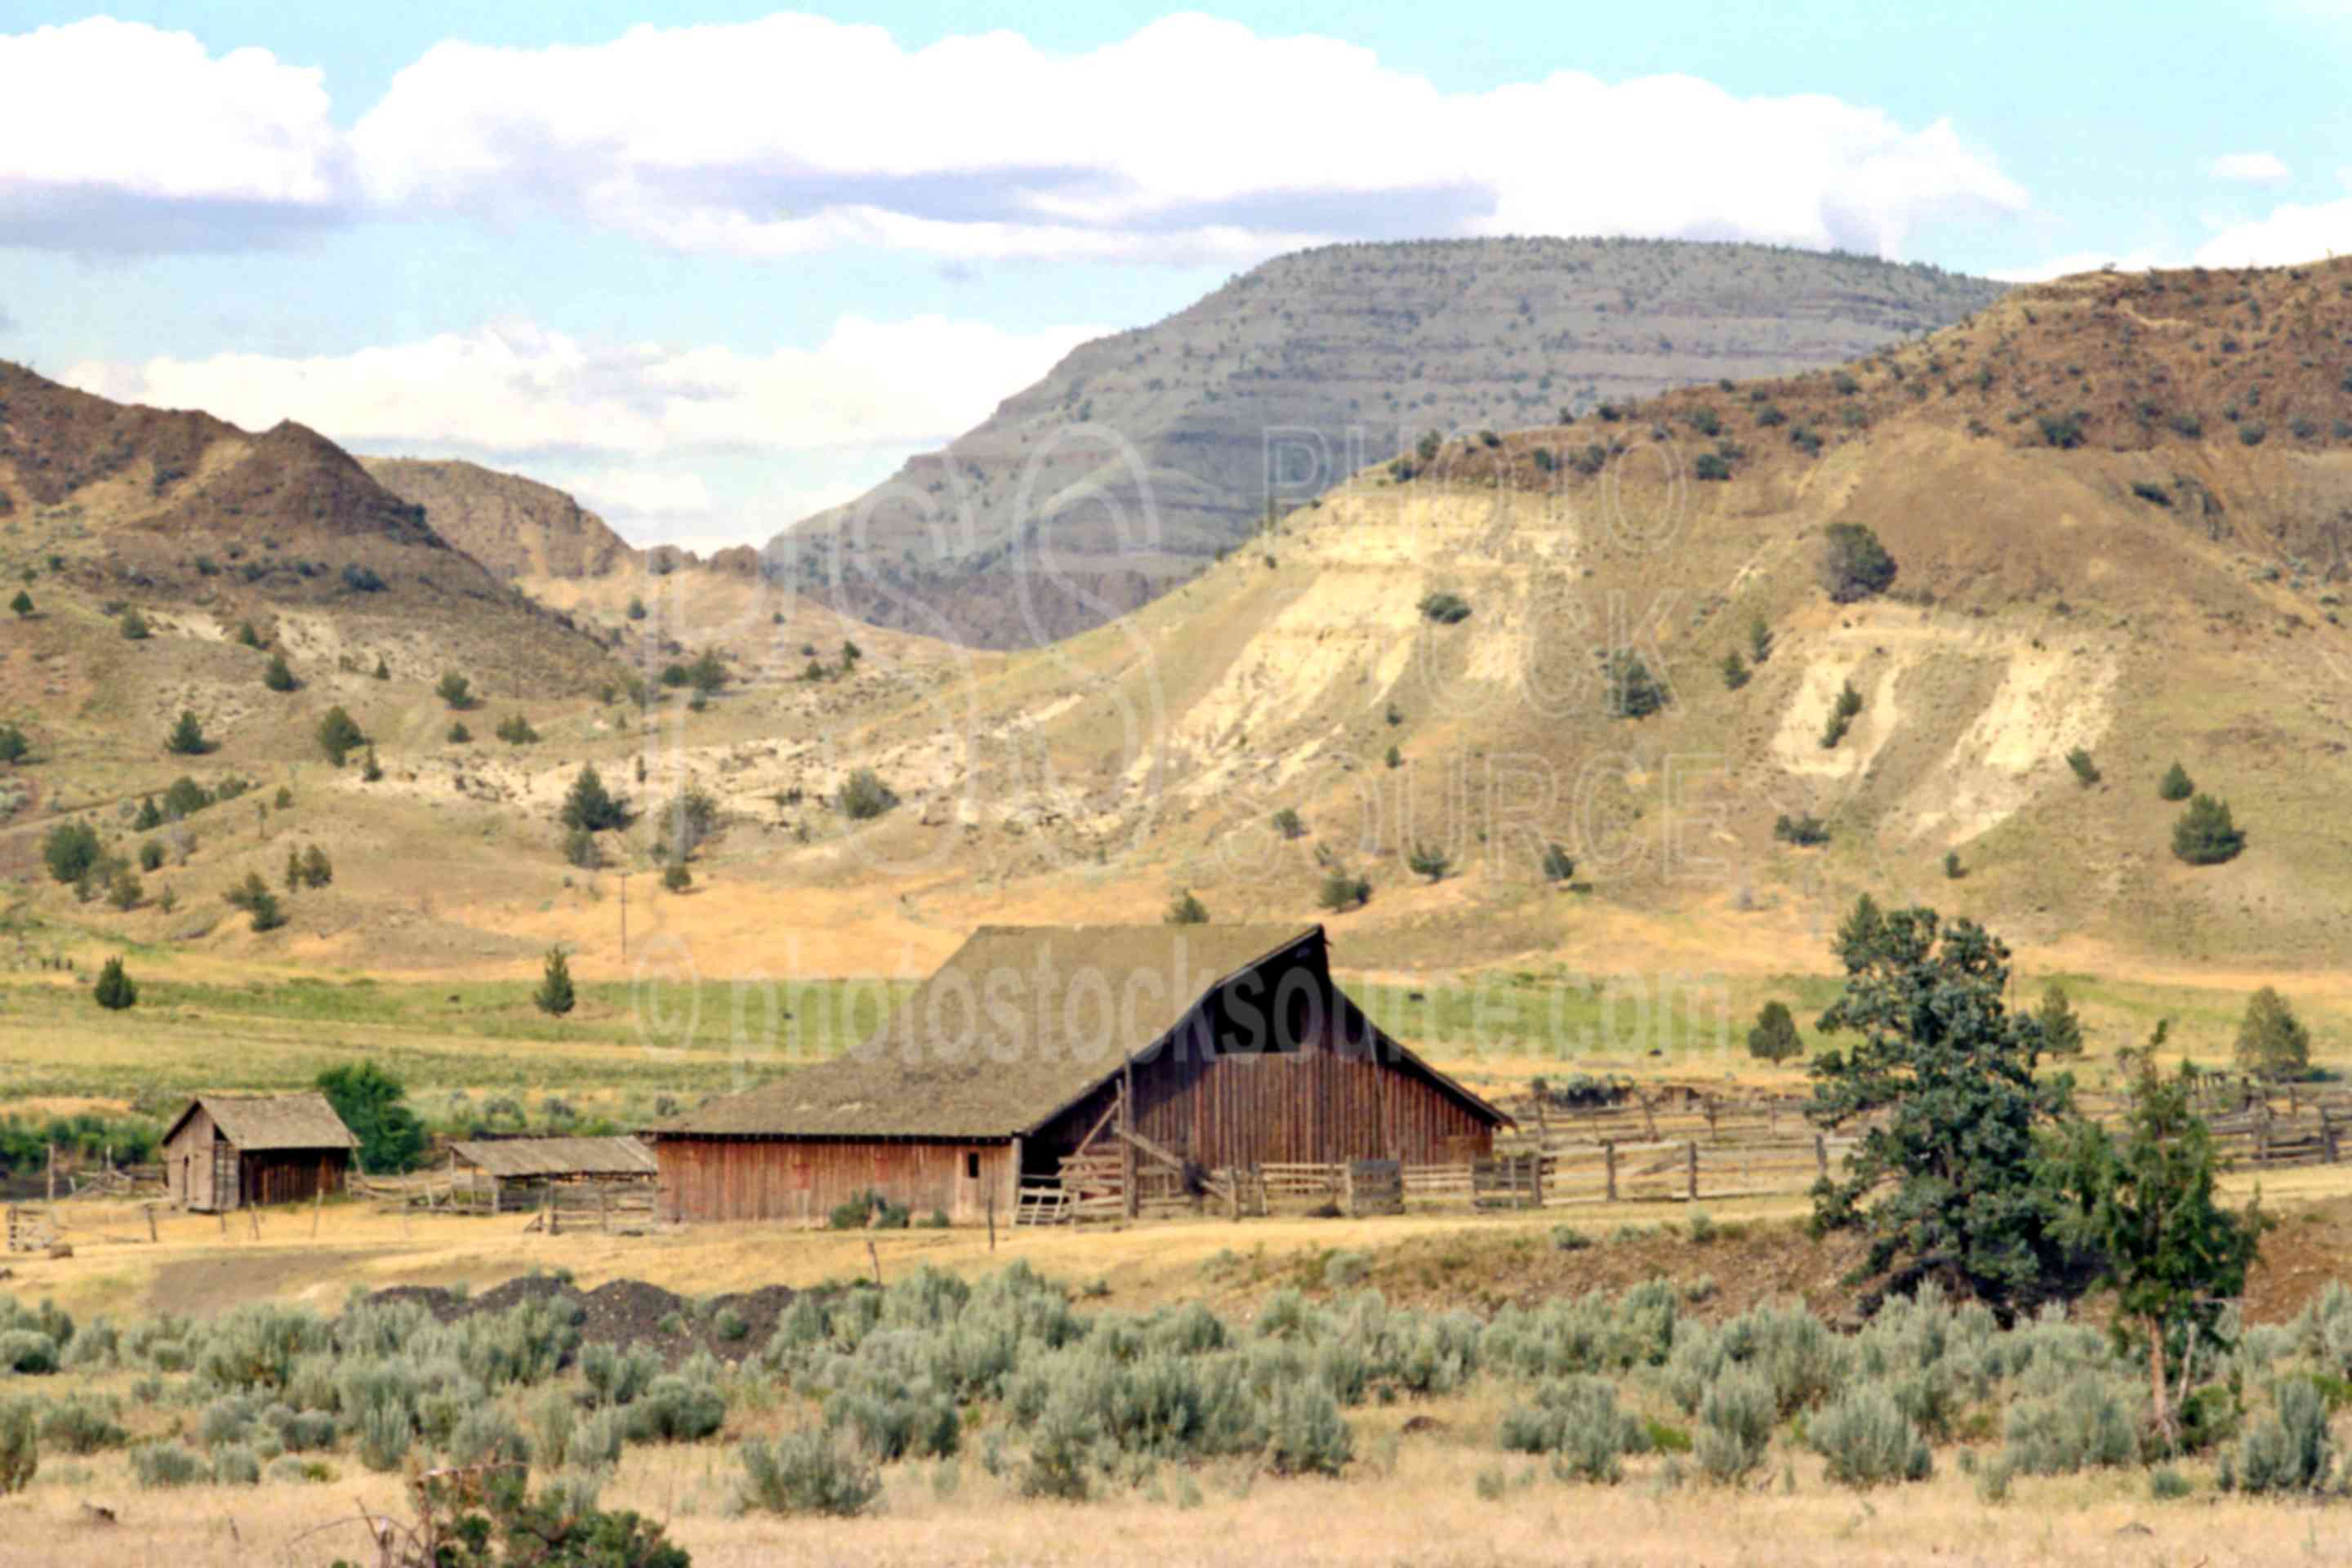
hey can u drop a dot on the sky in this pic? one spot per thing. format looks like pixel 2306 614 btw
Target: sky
pixel 712 267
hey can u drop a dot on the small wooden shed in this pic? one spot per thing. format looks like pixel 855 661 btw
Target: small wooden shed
pixel 503 1174
pixel 230 1151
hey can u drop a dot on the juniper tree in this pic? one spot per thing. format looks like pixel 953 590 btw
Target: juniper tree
pixel 2205 835
pixel 115 989
pixel 2176 784
pixel 1186 910
pixel 14 747
pixel 2142 1202
pixel 590 806
pixel 1943 1180
pixel 1430 861
pixel 2061 1031
pixel 554 995
pixel 277 674
pixel 339 736
pixel 22 603
pixel 2272 1041
pixel 1774 1038
pixel 187 737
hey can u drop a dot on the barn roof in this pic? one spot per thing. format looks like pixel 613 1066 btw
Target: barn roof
pixel 510 1158
pixel 1018 1024
pixel 259 1122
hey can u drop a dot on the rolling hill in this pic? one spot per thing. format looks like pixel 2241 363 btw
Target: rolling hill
pixel 1144 455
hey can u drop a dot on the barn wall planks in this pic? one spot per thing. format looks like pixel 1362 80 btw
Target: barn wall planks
pixel 204 1173
pixel 290 1176
pixel 188 1162
pixel 804 1179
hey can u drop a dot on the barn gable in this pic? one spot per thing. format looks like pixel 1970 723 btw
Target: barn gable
pixel 1228 1045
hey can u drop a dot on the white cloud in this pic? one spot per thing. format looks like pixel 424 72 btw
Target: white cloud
pixel 1194 138
pixel 119 136
pixel 518 388
pixel 2291 234
pixel 2249 168
pixel 642 493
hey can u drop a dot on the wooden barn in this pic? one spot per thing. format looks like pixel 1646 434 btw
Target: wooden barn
pixel 508 1175
pixel 228 1152
pixel 1208 1047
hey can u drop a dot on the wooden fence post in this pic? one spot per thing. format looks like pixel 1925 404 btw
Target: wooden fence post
pixel 1609 1156
pixel 151 1221
pixel 1690 1151
pixel 992 1217
pixel 1534 1167
pixel 2326 1136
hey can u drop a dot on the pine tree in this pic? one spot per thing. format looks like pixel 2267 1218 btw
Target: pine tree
pixel 1735 671
pixel 382 670
pixel 1558 864
pixel 2176 784
pixel 293 870
pixel 317 871
pixel 149 818
pixel 2061 1031
pixel 1428 860
pixel 339 737
pixel 2205 835
pixel 590 806
pixel 187 737
pixel 1187 910
pixel 2272 1041
pixel 2143 1203
pixel 115 990
pixel 456 691
pixel 246 637
pixel 22 603
pixel 554 995
pixel 124 889
pixel 1774 1039
pixel 276 675
pixel 1945 1181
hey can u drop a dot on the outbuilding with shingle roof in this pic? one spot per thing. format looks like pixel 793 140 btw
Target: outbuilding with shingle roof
pixel 235 1151
pixel 1209 1047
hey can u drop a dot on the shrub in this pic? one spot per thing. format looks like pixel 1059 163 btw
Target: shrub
pixel 28 1351
pixel 2154 495
pixel 1343 890
pixel 1711 467
pixel 277 674
pixel 454 690
pixel 1445 609
pixel 2166 1484
pixel 1953 869
pixel 1288 823
pixel 1557 864
pixel 1428 860
pixel 1735 1425
pixel 486 1435
pixel 2176 784
pixel 2251 432
pixel 159 1464
pixel 2062 430
pixel 2089 1423
pixel 1306 1435
pixel 589 806
pixel 20 1448
pixel 810 1471
pixel 674 1409
pixel 81 1426
pixel 1855 565
pixel 1186 910
pixel 675 878
pixel 235 1465
pixel 2289 1450
pixel 864 797
pixel 1867 1441
pixel 1803 830
pixel 515 731
pixel 2205 835
pixel 555 995
pixel 1630 690
pixel 1735 671
pixel 1576 1420
pixel 2086 772
pixel 69 850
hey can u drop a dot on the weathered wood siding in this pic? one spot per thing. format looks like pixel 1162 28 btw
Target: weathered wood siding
pixel 804 1178
pixel 188 1162
pixel 1325 1085
pixel 289 1176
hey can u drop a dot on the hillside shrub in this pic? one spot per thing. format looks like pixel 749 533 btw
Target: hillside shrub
pixel 1774 1038
pixel 187 738
pixel 2272 1043
pixel 864 797
pixel 277 674
pixel 2289 1450
pixel 115 990
pixel 1445 608
pixel 2086 772
pixel 1341 890
pixel 1186 909
pixel 82 1425
pixel 1803 830
pixel 339 735
pixel 1629 689
pixel 1854 564
pixel 2176 785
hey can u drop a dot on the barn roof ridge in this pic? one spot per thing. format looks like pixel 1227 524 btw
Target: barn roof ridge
pixel 1002 1074
pixel 259 1122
